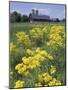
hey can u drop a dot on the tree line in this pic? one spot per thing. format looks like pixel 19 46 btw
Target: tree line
pixel 18 17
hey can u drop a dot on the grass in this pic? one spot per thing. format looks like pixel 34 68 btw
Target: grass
pixel 14 27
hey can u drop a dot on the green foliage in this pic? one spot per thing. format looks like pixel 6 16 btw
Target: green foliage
pixel 17 17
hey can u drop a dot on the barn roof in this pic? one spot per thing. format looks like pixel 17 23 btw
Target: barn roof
pixel 40 17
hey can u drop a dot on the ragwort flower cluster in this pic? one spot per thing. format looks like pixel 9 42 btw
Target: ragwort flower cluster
pixel 46 79
pixel 56 36
pixel 23 39
pixel 39 35
pixel 19 84
pixel 32 62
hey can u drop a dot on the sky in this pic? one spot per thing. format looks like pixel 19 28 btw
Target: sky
pixel 53 10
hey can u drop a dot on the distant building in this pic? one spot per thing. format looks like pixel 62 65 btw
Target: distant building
pixel 54 19
pixel 34 16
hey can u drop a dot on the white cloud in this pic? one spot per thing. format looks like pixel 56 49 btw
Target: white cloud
pixel 45 11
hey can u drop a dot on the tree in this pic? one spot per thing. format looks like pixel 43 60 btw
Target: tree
pixel 25 18
pixel 18 18
pixel 57 20
pixel 15 17
pixel 30 16
pixel 63 20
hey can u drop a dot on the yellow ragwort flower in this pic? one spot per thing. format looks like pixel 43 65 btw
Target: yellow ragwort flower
pixel 19 84
pixel 52 69
pixel 46 77
pixel 54 82
pixel 12 47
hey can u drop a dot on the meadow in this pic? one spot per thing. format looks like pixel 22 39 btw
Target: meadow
pixel 37 54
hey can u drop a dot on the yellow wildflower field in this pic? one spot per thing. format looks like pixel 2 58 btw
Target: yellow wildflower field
pixel 37 56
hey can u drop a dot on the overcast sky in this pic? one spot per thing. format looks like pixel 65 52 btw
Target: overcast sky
pixel 53 10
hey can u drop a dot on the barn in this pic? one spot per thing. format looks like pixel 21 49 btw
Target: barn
pixel 34 16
